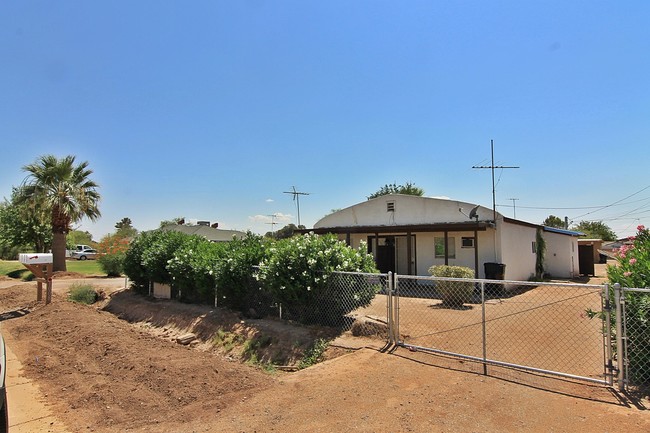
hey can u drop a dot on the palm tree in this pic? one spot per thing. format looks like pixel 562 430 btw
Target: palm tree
pixel 63 192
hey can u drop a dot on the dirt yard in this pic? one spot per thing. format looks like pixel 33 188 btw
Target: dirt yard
pixel 118 368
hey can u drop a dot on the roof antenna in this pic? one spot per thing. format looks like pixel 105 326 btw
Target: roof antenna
pixel 296 198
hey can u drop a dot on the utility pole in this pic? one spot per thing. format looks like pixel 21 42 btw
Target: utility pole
pixel 514 207
pixel 296 197
pixel 492 167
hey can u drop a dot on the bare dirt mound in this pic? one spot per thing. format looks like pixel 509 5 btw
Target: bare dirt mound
pixel 102 374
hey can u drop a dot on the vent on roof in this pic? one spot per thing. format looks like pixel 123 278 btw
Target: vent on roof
pixel 203 223
pixel 390 206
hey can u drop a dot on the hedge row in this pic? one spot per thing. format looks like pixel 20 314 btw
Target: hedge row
pixel 250 274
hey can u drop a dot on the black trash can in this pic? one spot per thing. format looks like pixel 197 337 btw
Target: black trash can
pixel 494 271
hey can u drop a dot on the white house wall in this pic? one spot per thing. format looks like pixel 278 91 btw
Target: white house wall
pixel 408 210
pixel 561 258
pixel 517 251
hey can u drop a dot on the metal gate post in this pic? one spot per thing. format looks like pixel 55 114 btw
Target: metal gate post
pixel 607 334
pixel 484 326
pixel 389 310
pixel 394 281
pixel 620 350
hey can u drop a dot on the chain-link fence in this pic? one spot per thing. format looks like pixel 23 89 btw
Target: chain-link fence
pixel 546 327
pixel 352 301
pixel 635 305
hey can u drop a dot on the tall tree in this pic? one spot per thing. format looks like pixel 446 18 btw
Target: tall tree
pixel 125 228
pixel 554 221
pixel 408 189
pixel 595 230
pixel 62 190
pixel 22 229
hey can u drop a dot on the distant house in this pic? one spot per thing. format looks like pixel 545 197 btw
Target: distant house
pixel 210 233
pixel 409 234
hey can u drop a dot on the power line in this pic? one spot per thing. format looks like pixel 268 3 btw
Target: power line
pixel 610 205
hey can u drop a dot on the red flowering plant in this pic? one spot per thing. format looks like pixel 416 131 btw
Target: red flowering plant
pixel 112 250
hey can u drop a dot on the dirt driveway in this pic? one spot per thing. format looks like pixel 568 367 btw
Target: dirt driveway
pixel 103 374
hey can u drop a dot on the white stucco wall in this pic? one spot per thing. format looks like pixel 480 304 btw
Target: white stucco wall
pixel 561 258
pixel 408 210
pixel 517 250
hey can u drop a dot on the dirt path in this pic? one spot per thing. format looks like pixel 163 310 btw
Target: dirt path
pixel 102 374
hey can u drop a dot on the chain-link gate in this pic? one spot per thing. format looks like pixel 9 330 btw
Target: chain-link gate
pixel 633 306
pixel 551 328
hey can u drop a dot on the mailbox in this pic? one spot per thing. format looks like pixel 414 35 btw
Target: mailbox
pixel 35 259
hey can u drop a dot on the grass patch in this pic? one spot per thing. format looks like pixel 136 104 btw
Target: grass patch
pixel 227 340
pixel 15 269
pixel 86 267
pixel 83 294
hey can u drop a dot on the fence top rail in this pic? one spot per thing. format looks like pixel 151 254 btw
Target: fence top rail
pixel 636 289
pixel 520 283
pixel 364 274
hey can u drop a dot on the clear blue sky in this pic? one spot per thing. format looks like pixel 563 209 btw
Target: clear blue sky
pixel 211 109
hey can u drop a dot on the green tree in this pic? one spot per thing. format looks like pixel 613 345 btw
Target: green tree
pixel 554 221
pixel 125 228
pixel 77 237
pixel 20 227
pixel 64 192
pixel 595 230
pixel 179 221
pixel 408 189
pixel 285 232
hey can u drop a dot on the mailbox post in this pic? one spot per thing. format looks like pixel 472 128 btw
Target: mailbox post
pixel 41 266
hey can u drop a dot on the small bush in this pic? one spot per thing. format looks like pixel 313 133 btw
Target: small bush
pixel 83 294
pixel 314 354
pixel 453 293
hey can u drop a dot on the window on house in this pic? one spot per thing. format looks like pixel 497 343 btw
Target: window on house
pixel 439 247
pixel 467 243
pixel 534 247
pixel 390 206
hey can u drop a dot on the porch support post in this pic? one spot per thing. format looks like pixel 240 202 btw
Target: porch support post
pixel 446 248
pixel 476 253
pixel 347 239
pixel 409 256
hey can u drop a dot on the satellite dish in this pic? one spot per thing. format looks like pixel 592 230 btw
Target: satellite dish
pixel 472 213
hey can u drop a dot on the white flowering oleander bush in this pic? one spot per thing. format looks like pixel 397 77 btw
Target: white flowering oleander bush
pixel 234 276
pixel 193 268
pixel 296 274
pixel 633 270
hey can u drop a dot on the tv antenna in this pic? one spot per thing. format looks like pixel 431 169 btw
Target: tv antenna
pixel 514 207
pixel 296 197
pixel 492 167
pixel 273 224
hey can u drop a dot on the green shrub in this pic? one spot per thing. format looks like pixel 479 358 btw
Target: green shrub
pixel 112 264
pixel 314 354
pixel 193 268
pixel 234 276
pixel 297 275
pixel 453 293
pixel 83 294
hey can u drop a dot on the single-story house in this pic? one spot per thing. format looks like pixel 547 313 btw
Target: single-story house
pixel 408 234
pixel 210 233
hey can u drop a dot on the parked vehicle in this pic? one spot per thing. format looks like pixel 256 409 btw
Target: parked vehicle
pixel 85 253
pixel 4 413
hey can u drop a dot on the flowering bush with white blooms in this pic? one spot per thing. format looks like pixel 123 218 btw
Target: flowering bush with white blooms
pixel 235 274
pixel 297 271
pixel 193 268
pixel 633 270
